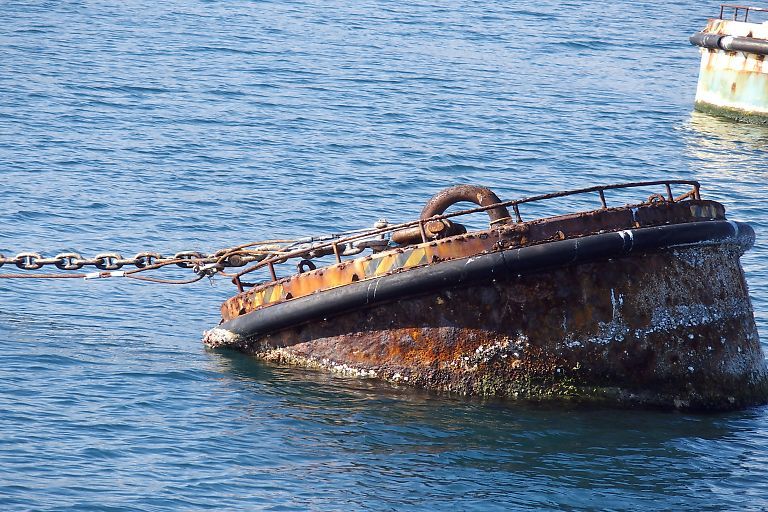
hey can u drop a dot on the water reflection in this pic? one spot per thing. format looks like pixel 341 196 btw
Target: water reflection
pixel 724 146
pixel 320 394
pixel 444 446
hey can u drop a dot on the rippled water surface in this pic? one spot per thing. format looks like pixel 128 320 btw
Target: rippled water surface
pixel 169 126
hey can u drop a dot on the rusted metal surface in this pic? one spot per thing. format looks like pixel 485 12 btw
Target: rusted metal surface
pixel 431 230
pixel 669 326
pixel 738 12
pixel 481 196
pixel 502 236
pixel 622 331
pixel 350 243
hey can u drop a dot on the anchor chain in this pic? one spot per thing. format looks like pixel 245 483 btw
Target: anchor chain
pixel 114 261
pixel 203 265
pixel 108 264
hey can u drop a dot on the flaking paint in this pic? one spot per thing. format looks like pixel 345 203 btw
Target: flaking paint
pixel 639 329
pixel 734 84
pixel 624 331
pixel 503 236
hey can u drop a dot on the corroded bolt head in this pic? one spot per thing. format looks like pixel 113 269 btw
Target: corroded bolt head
pixel 435 227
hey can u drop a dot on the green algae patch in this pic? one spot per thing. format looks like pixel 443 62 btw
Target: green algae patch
pixel 732 113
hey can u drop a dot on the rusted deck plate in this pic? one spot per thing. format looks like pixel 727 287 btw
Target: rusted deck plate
pixel 501 237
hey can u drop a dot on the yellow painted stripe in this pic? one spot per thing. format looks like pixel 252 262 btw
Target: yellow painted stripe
pixel 417 257
pixel 390 262
pixel 385 265
pixel 276 294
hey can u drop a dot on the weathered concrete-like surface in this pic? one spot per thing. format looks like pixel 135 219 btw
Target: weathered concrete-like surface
pixel 734 84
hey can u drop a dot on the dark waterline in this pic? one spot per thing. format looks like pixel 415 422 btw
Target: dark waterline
pixel 173 126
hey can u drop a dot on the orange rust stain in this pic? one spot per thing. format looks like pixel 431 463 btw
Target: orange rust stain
pixel 304 284
pixel 461 246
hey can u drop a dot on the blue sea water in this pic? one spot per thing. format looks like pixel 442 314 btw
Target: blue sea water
pixel 177 125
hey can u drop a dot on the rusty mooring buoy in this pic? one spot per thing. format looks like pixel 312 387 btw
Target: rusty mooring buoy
pixel 642 304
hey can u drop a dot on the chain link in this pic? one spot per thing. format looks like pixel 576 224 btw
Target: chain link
pixel 114 261
pixel 189 257
pixel 108 261
pixel 28 261
pixel 68 261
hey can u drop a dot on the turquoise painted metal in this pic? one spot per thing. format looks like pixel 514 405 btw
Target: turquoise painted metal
pixel 733 75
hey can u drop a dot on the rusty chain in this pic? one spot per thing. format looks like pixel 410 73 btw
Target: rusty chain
pixel 203 265
pixel 271 252
pixel 114 261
